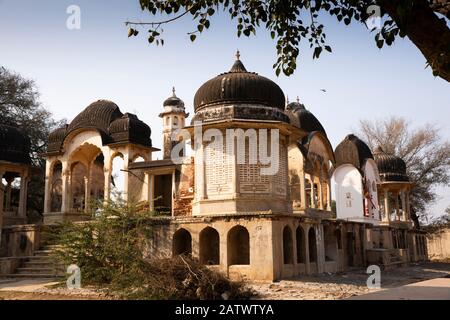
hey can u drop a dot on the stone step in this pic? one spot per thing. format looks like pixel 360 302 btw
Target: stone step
pixel 31 276
pixel 35 270
pixel 37 258
pixel 38 264
pixel 42 252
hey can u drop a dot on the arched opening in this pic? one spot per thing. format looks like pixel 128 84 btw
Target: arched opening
pixel 330 243
pixel 78 186
pixel 287 246
pixel 312 245
pixel 175 121
pixel 308 192
pixel 209 246
pixel 182 243
pixel 300 245
pixel 56 188
pixel 97 181
pixel 117 177
pixel 238 244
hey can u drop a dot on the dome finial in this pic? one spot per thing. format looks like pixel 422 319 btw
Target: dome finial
pixel 287 99
pixel 298 99
pixel 173 91
pixel 238 66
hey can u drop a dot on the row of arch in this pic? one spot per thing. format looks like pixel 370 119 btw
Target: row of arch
pixel 86 179
pixel 238 245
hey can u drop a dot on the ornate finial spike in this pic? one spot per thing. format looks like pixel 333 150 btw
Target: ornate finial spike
pixel 287 99
pixel 238 55
pixel 298 99
pixel 173 91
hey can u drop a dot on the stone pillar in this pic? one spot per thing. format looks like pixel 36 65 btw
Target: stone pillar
pixel 22 212
pixel 306 241
pixel 9 182
pixel 387 207
pixel 320 191
pixel 408 207
pixel 151 192
pixel 173 192
pixel 48 186
pixel 302 191
pixel 403 205
pixel 320 248
pixel 329 196
pixel 64 188
pixel 313 194
pixel 126 175
pixel 87 190
pixel 107 188
pixel 397 207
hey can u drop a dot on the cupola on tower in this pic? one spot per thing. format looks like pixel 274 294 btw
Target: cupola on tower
pixel 173 116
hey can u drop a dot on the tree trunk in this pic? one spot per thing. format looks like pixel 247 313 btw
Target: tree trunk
pixel 426 30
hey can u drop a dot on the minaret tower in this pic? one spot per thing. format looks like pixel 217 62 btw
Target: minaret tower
pixel 173 116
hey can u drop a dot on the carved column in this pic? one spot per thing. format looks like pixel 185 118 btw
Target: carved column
pixel 397 207
pixel 48 186
pixel 87 191
pixel 126 175
pixel 403 205
pixel 9 182
pixel 151 193
pixel 303 199
pixel 387 207
pixel 22 212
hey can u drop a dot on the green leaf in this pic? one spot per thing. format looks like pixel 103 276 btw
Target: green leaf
pixel 192 37
pixel 328 48
pixel 380 43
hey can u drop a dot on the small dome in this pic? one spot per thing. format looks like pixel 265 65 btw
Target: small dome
pixel 302 118
pixel 97 115
pixel 56 139
pixel 390 167
pixel 14 145
pixel 238 86
pixel 173 101
pixel 129 128
pixel 354 151
pixel 106 118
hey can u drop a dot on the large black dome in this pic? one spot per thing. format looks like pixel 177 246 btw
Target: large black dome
pixel 97 115
pixel 352 150
pixel 302 118
pixel 14 145
pixel 390 167
pixel 238 86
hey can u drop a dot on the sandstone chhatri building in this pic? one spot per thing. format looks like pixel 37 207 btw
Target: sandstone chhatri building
pixel 221 210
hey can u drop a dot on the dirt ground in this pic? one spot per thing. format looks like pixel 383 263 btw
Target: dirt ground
pixel 346 285
pixel 319 287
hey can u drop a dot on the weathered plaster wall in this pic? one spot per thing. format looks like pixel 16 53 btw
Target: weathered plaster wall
pixel 438 244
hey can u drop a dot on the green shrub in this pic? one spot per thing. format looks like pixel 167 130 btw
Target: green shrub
pixel 109 251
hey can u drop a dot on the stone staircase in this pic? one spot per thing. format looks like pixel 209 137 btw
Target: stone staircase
pixel 40 265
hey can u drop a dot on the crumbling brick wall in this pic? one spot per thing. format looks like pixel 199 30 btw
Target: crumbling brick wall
pixel 185 192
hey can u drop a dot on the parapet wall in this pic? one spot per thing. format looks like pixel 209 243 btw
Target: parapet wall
pixel 439 244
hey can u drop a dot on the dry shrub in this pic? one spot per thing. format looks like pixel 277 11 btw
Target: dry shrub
pixel 180 277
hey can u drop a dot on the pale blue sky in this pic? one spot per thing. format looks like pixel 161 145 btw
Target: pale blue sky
pixel 73 68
